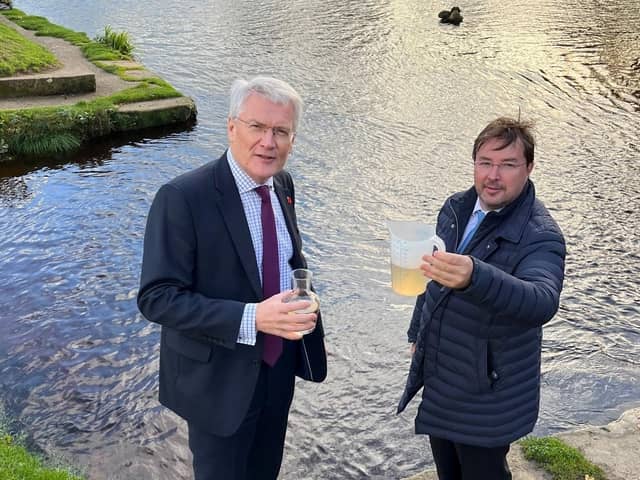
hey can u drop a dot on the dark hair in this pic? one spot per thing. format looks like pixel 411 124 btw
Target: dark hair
pixel 509 130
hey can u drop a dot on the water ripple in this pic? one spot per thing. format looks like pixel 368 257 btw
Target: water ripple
pixel 393 101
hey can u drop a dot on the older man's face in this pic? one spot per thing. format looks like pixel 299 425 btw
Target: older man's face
pixel 262 136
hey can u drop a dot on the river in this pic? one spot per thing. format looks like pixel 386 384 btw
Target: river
pixel 393 102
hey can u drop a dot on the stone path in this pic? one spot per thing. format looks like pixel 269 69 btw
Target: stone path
pixel 151 113
pixel 73 62
pixel 614 447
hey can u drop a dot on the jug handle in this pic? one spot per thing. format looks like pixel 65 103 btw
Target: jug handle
pixel 439 243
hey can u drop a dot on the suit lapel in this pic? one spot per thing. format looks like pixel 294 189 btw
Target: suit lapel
pixel 230 204
pixel 285 197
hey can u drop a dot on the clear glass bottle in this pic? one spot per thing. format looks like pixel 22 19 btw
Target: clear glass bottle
pixel 301 285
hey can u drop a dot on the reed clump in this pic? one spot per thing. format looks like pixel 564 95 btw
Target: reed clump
pixel 119 41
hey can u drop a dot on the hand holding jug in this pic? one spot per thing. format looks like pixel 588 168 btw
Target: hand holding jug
pixel 409 242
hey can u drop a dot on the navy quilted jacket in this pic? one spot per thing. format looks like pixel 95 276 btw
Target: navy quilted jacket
pixel 478 349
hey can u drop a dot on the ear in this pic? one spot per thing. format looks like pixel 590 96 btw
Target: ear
pixel 293 139
pixel 231 129
pixel 530 168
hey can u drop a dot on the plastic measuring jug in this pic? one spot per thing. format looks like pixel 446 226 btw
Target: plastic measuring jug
pixel 409 242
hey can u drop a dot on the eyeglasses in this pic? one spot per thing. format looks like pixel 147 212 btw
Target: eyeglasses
pixel 504 167
pixel 257 129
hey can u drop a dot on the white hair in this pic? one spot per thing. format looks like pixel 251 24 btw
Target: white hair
pixel 277 91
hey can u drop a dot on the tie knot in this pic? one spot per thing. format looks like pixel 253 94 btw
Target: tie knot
pixel 263 191
pixel 480 215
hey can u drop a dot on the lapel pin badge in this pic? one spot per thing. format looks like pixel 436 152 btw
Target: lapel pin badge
pixel 289 201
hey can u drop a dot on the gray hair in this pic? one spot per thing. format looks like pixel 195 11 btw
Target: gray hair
pixel 274 90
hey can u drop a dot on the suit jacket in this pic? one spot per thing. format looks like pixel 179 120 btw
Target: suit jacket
pixel 198 271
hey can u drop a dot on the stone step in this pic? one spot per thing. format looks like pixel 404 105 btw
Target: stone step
pixel 53 83
pixel 168 111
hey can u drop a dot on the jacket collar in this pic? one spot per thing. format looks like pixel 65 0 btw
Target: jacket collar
pixel 517 212
pixel 285 197
pixel 232 211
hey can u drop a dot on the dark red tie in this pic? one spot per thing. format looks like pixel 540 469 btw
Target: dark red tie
pixel 270 270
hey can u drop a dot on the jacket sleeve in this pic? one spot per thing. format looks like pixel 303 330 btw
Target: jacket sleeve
pixel 530 296
pixel 167 295
pixel 414 326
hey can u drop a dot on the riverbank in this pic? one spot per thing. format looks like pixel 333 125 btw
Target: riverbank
pixel 118 95
pixel 17 462
pixel 613 447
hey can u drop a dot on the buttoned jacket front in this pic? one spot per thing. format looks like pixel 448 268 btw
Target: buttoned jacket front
pixel 199 270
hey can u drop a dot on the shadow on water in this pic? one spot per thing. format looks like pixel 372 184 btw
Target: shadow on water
pixel 91 154
pixel 14 189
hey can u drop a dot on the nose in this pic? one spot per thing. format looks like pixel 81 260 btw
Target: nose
pixel 494 171
pixel 268 139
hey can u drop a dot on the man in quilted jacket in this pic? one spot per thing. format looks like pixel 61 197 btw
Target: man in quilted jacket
pixel 476 331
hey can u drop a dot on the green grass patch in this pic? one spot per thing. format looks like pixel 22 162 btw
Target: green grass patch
pixel 16 462
pixel 51 130
pixel 559 459
pixel 120 71
pixel 99 51
pixel 149 89
pixel 58 130
pixel 20 55
pixel 93 50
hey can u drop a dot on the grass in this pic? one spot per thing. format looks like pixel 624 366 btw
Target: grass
pixel 16 462
pixel 57 130
pixel 560 460
pixel 20 55
pixel 117 40
pixel 91 49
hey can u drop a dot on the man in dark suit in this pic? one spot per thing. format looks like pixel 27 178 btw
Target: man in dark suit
pixel 220 244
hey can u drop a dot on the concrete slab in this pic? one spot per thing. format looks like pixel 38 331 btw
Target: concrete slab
pixel 47 84
pixel 134 116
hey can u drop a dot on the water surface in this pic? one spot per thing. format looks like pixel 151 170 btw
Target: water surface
pixel 393 103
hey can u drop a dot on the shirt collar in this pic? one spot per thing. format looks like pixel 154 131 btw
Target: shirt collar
pixel 243 181
pixel 477 207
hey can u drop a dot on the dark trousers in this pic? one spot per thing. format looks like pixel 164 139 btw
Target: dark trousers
pixel 455 461
pixel 255 451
